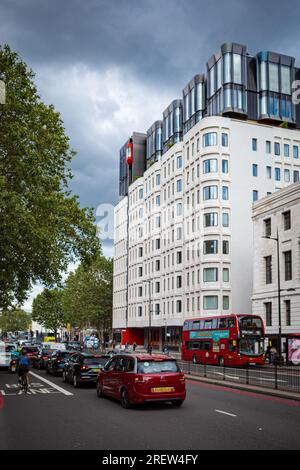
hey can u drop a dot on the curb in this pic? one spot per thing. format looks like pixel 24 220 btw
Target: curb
pixel 247 388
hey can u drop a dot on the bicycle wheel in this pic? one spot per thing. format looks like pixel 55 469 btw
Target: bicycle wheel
pixel 25 383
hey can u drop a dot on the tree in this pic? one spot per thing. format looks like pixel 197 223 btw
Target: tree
pixel 47 310
pixel 43 228
pixel 14 320
pixel 87 297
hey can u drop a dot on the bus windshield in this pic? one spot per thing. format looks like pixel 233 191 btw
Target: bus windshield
pixel 251 346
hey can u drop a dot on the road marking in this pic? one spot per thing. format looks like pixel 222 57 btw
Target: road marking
pixel 225 413
pixel 57 387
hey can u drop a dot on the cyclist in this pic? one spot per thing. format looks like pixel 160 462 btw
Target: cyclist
pixel 23 367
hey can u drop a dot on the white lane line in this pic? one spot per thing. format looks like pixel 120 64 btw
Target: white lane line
pixel 57 387
pixel 225 413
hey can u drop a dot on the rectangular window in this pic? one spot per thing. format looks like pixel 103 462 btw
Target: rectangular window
pixel 285 80
pixel 287 176
pixel 287 265
pixel 210 192
pixel 268 268
pixel 210 139
pixel 225 247
pixel 225 166
pixel 225 193
pixel 268 146
pixel 286 220
pixel 210 166
pixel 288 320
pixel 295 151
pixel 140 311
pixel 269 172
pixel 295 176
pixel 254 170
pixel 225 219
pixel 211 219
pixel 157 199
pixel 277 148
pixel 224 140
pixel 210 247
pixel 268 227
pixel 178 306
pixel 237 68
pixel 158 179
pixel 254 145
pixel 254 195
pixel 210 275
pixel 179 257
pixel 210 302
pixel 268 313
pixel 277 174
pixel 286 150
pixel 179 186
pixel 225 275
pixel 273 77
pixel 225 302
pixel 141 193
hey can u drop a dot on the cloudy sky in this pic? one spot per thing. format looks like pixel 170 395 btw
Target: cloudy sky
pixel 112 66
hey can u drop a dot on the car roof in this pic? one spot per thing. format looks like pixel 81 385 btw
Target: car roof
pixel 148 357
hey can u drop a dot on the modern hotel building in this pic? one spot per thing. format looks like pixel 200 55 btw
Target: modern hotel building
pixel 183 229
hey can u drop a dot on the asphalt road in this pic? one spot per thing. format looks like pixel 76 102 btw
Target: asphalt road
pixel 211 418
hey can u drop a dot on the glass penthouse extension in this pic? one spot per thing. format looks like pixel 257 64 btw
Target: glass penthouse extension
pixel 172 124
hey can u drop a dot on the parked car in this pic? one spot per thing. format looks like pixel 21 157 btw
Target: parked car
pixel 74 345
pixel 56 361
pixel 6 350
pixel 140 378
pixel 40 361
pixel 83 367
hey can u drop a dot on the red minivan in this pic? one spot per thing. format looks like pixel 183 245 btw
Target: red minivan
pixel 141 378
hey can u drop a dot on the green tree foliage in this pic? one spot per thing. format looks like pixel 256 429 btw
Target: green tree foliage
pixel 42 225
pixel 14 320
pixel 87 298
pixel 47 309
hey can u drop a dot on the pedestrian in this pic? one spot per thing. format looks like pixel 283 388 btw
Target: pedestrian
pixel 149 349
pixel 273 355
pixel 268 354
pixel 134 346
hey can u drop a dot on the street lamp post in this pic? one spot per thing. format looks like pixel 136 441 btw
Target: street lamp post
pixel 150 313
pixel 278 293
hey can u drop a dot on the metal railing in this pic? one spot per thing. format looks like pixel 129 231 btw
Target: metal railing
pixel 285 378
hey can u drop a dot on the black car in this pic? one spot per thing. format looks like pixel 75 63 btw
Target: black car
pixel 84 367
pixel 74 345
pixel 56 361
pixel 42 358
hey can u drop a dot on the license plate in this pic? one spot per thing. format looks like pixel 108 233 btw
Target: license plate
pixel 162 389
pixel 13 368
pixel 96 370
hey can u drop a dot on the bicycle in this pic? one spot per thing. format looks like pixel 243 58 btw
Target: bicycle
pixel 23 382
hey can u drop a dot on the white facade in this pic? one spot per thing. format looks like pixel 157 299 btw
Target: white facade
pixel 202 265
pixel 269 215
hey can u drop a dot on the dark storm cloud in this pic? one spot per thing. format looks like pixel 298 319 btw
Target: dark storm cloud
pixel 154 48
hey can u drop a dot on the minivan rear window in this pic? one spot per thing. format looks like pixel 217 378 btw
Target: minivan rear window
pixel 157 367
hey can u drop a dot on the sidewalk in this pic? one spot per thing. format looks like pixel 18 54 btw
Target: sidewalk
pixel 246 388
pixel 233 385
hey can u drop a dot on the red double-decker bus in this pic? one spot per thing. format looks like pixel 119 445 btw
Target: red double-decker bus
pixel 231 340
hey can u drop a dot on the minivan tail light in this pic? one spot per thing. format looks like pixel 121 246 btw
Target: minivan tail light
pixel 84 367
